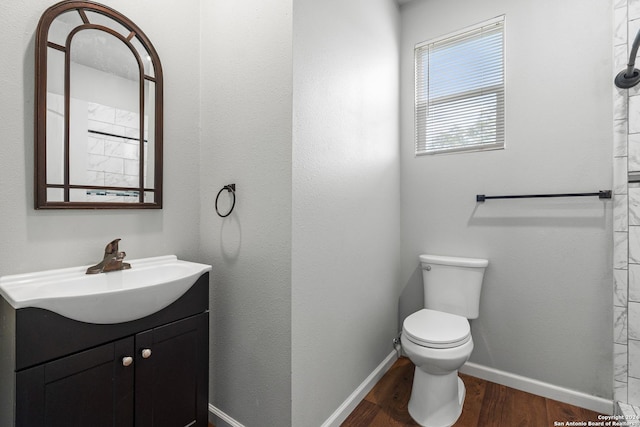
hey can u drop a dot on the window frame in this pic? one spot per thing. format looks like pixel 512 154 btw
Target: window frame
pixel 422 104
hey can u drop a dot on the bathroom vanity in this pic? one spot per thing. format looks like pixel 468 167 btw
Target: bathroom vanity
pixel 150 371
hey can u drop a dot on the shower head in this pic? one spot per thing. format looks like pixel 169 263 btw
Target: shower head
pixel 631 76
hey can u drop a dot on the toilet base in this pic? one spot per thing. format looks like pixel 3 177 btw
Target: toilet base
pixel 436 400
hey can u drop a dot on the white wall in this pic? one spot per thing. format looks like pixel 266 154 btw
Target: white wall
pixel 306 292
pixel 546 305
pixel 345 199
pixel 246 140
pixel 36 240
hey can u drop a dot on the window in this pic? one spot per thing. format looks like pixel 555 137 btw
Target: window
pixel 460 91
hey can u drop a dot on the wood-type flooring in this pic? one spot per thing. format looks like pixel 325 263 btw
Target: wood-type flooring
pixel 486 404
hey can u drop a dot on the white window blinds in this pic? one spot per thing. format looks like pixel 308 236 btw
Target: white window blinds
pixel 460 91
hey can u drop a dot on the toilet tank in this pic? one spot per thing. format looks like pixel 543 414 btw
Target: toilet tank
pixel 453 284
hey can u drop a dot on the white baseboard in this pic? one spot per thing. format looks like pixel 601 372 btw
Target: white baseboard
pixel 529 385
pixel 343 410
pixel 356 397
pixel 550 391
pixel 216 414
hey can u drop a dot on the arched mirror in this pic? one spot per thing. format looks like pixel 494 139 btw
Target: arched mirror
pixel 98 111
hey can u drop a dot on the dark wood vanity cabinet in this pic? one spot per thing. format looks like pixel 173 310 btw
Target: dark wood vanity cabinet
pixel 157 372
pixel 154 373
pixel 89 388
pixel 166 389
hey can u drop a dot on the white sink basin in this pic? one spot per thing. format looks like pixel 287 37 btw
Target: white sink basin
pixel 117 296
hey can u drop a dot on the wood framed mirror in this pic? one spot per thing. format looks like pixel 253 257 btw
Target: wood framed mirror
pixel 98 111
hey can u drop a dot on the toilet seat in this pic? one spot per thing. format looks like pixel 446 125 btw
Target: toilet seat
pixel 436 329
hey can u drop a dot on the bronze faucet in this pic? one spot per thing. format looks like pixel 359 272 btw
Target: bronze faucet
pixel 112 260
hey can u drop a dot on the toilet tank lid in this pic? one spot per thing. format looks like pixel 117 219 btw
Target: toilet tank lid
pixel 456 261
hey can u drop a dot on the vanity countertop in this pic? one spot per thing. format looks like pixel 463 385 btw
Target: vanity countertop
pixel 114 297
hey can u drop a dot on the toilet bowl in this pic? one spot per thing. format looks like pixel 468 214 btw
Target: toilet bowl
pixel 437 338
pixel 438 349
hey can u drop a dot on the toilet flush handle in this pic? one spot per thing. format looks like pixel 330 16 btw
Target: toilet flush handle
pixel 427 267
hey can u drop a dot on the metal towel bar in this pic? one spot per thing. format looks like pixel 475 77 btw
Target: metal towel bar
pixel 602 194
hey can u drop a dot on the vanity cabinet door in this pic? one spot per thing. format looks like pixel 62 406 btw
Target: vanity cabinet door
pixel 172 371
pixel 90 388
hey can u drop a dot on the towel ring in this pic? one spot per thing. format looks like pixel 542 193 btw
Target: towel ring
pixel 231 188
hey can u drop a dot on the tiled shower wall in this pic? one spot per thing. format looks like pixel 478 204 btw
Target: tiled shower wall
pixel 626 197
pixel 113 160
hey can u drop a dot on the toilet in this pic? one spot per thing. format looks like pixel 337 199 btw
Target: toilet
pixel 437 338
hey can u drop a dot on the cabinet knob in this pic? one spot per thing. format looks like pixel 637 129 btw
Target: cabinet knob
pixel 127 361
pixel 146 353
